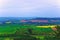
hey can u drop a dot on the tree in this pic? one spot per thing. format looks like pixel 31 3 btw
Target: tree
pixel 58 32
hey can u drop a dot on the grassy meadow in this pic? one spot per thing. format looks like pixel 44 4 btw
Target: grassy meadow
pixel 13 31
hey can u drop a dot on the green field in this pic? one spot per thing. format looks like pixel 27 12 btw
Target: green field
pixel 11 28
pixel 22 30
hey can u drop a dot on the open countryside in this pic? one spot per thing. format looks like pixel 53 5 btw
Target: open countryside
pixel 20 29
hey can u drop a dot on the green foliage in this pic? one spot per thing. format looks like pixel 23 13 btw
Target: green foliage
pixel 58 32
pixel 28 32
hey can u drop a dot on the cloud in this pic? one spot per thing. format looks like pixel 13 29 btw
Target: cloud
pixel 26 5
pixel 58 3
pixel 20 7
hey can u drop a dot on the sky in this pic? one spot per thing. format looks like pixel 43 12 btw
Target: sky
pixel 29 8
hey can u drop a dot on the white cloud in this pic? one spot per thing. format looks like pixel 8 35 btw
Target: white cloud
pixel 23 6
pixel 58 3
pixel 3 3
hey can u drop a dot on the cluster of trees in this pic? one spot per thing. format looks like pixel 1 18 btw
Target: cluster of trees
pixel 57 32
pixel 55 35
pixel 28 33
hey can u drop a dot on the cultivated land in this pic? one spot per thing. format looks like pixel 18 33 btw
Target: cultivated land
pixel 18 31
pixel 11 28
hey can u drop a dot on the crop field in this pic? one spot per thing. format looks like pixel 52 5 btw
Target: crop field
pixel 13 31
pixel 9 28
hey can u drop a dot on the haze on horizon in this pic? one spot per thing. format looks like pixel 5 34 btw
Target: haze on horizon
pixel 29 8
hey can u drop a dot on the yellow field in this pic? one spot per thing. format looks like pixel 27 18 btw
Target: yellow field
pixel 46 26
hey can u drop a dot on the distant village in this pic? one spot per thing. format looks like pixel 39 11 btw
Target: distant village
pixel 29 21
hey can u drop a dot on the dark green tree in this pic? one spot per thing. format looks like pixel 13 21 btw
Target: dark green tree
pixel 58 32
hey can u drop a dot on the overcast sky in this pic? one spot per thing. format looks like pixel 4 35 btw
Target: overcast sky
pixel 29 8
